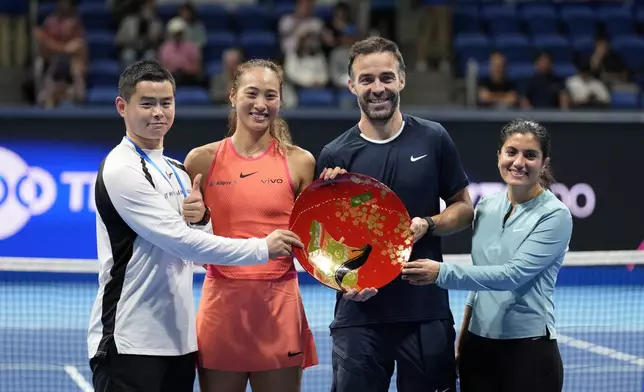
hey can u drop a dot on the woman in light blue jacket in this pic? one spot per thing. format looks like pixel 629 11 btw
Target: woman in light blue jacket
pixel 521 235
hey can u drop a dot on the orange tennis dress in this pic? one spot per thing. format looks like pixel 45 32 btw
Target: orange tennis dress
pixel 252 318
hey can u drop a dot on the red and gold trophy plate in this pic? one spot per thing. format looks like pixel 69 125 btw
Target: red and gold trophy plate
pixel 355 232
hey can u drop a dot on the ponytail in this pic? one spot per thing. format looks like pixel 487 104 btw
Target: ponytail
pixel 546 178
pixel 232 121
pixel 279 131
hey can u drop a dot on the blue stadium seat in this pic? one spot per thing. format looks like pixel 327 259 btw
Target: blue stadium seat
pixel 14 7
pixel 95 16
pixel 214 68
pixel 383 4
pixel 324 12
pixel 564 70
pixel 466 20
pixel 216 44
pixel 283 8
pixel 537 10
pixel 468 40
pixel 471 46
pixel 101 44
pixel 618 20
pixel 579 20
pixel 103 73
pixel 515 47
pixel 167 11
pixel 214 17
pixel 102 95
pixel 192 96
pixel 638 15
pixel 540 18
pixel 260 44
pixel 520 71
pixel 631 49
pixel 556 45
pixel 583 46
pixel 624 100
pixel 501 18
pixel 315 97
pixel 253 18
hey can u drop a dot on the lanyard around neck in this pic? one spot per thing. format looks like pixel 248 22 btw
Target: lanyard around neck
pixel 147 159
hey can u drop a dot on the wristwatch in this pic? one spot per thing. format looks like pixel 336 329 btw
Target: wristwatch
pixel 205 219
pixel 431 224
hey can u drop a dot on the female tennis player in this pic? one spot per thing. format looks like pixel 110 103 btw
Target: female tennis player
pixel 251 325
pixel 508 336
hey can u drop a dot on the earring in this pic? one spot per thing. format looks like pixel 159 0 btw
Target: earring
pixel 233 106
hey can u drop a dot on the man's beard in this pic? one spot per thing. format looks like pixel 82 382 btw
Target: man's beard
pixel 380 115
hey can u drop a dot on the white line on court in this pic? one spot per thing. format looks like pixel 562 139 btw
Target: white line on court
pixel 322 367
pixel 78 378
pixel 587 369
pixel 30 367
pixel 601 350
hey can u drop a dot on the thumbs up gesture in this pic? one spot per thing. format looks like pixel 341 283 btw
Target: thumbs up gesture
pixel 193 206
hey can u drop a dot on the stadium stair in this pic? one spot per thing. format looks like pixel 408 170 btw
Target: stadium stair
pixel 11 79
pixel 430 88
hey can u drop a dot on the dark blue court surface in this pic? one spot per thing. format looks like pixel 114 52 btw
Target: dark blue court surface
pixel 43 335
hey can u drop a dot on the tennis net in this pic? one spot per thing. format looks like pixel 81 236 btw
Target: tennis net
pixel 45 306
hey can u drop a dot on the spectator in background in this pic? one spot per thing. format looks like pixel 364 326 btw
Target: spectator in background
pixel 293 26
pixel 435 34
pixel 195 29
pixel 307 67
pixel 222 82
pixel 334 29
pixel 180 56
pixel 586 91
pixel 61 65
pixel 609 67
pixel 544 89
pixel 139 35
pixel 122 8
pixel 497 90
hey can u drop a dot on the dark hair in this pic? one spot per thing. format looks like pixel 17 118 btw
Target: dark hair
pixel 523 127
pixel 541 54
pixel 190 8
pixel 142 71
pixel 278 128
pixel 584 67
pixel 375 45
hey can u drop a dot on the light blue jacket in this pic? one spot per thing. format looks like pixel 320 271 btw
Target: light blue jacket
pixel 515 266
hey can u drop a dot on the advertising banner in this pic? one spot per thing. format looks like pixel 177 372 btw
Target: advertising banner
pixel 48 166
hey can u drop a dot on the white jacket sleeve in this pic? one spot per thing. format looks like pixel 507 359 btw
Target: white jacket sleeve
pixel 149 214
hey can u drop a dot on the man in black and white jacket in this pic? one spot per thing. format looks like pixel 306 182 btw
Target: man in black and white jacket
pixel 151 226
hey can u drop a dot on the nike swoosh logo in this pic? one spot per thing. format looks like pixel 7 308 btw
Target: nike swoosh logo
pixel 242 175
pixel 414 159
pixel 290 354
